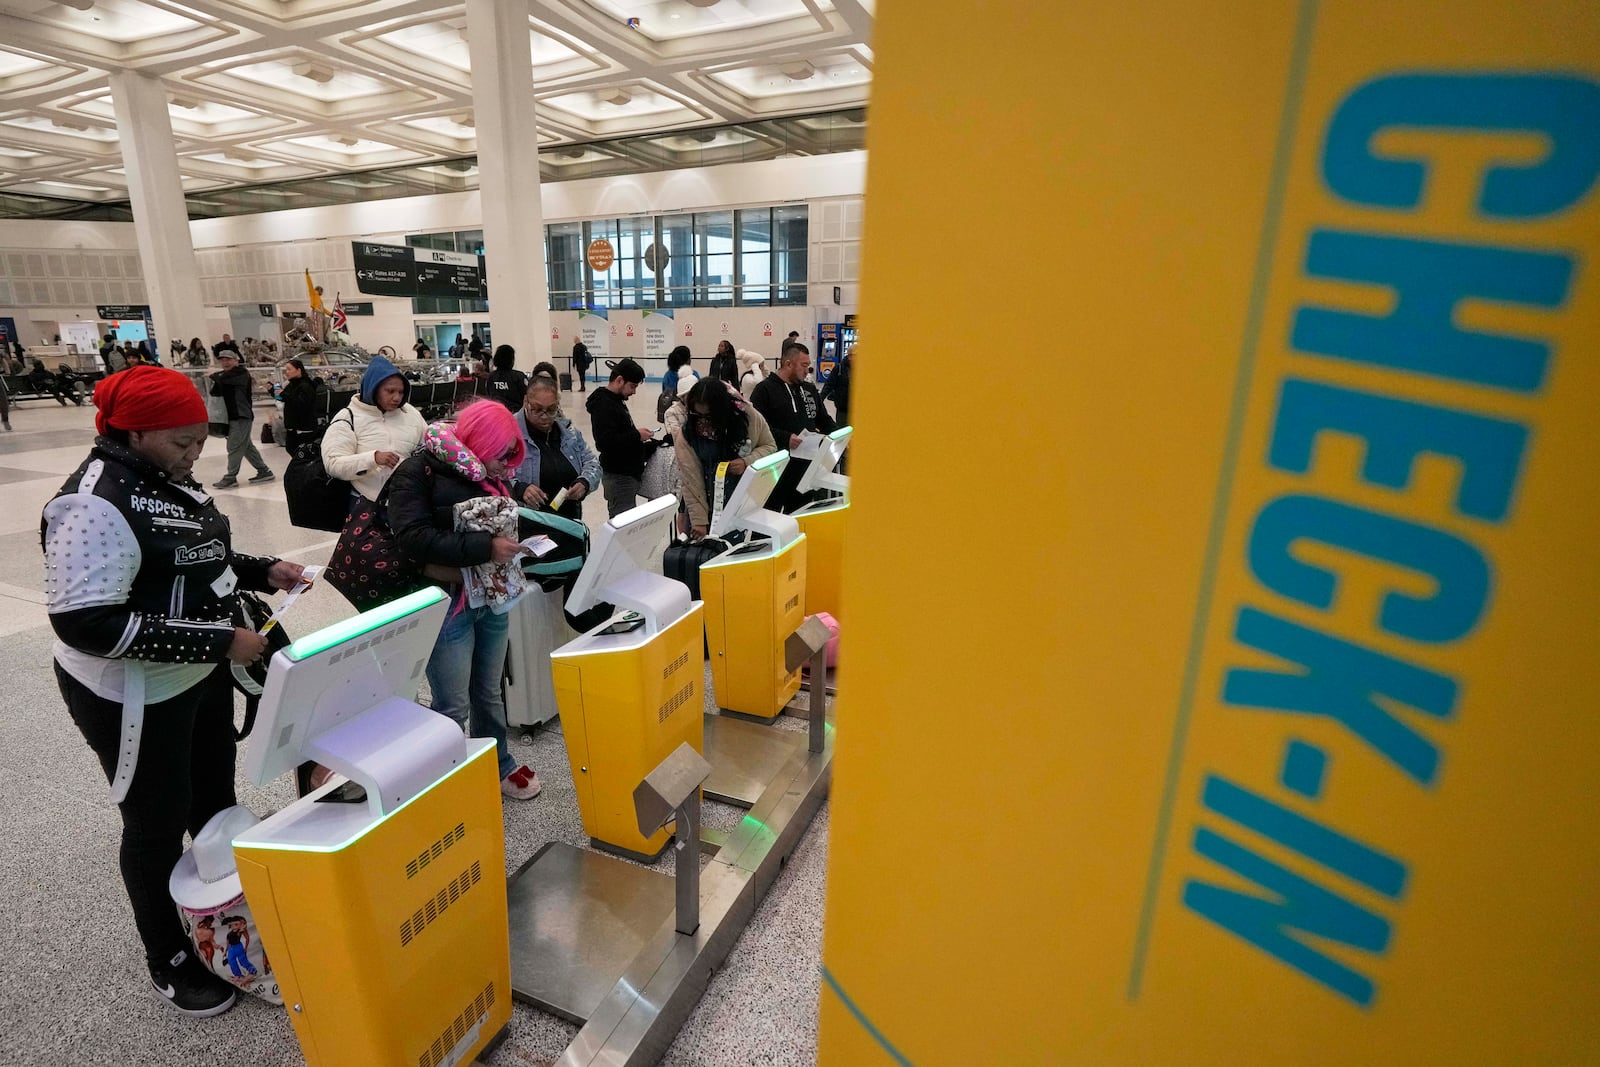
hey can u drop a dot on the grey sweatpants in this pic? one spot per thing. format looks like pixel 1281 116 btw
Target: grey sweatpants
pixel 242 447
pixel 622 493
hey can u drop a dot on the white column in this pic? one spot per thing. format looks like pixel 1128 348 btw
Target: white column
pixel 160 217
pixel 508 177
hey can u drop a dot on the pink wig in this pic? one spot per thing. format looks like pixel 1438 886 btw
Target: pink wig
pixel 490 431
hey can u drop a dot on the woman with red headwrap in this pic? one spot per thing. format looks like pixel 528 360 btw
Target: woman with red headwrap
pixel 141 581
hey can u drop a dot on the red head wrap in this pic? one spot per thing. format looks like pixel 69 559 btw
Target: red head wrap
pixel 147 398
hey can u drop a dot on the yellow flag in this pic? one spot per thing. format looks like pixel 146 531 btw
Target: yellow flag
pixel 314 296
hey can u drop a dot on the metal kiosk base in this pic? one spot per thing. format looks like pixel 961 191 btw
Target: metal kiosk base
pixel 593 938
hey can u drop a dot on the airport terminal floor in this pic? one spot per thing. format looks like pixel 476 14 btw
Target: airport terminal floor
pixel 71 970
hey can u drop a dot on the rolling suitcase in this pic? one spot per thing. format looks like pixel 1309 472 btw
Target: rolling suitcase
pixel 681 561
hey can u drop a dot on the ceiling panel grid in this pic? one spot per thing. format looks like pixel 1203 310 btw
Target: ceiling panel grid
pixel 275 90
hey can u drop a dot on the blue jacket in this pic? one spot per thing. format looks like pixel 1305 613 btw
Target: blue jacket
pixel 573 446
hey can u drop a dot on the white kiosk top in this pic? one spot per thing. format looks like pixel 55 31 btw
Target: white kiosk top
pixel 622 569
pixel 823 472
pixel 746 508
pixel 345 697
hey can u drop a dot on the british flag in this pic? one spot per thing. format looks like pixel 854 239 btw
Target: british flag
pixel 339 320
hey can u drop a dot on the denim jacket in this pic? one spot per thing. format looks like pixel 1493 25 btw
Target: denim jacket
pixel 573 446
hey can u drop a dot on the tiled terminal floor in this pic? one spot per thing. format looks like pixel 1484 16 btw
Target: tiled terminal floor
pixel 73 990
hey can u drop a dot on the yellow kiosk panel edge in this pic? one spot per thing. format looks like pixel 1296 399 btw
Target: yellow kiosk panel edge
pixel 1266 736
pixel 397 937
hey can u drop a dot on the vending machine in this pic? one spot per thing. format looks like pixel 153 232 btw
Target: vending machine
pixel 834 339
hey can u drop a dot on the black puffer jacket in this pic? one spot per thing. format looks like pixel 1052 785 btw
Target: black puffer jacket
pixel 140 566
pixel 305 403
pixel 422 495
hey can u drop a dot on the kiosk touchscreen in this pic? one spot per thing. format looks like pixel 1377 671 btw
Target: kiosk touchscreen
pixel 823 473
pixel 823 522
pixel 379 896
pixel 622 565
pixel 746 509
pixel 754 596
pixel 629 690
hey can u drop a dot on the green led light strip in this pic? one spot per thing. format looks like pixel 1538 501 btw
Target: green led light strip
pixel 841 432
pixel 769 461
pixel 364 623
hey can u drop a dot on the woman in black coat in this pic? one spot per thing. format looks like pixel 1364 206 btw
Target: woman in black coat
pixel 304 407
pixel 456 464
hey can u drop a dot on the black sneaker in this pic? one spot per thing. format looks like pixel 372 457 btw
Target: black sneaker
pixel 190 988
pixel 264 476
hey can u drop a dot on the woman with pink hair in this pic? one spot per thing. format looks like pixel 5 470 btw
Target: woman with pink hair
pixel 457 463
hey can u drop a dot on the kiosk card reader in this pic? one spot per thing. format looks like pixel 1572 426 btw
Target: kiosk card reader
pixel 629 690
pixel 823 522
pixel 754 596
pixel 380 894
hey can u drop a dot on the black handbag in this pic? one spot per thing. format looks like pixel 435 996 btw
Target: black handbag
pixel 317 500
pixel 251 678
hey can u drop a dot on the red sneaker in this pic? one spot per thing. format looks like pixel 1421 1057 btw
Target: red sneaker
pixel 521 784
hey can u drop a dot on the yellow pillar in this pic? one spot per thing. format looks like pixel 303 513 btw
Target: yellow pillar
pixel 1267 333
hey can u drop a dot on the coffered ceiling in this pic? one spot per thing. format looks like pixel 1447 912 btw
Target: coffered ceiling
pixel 274 90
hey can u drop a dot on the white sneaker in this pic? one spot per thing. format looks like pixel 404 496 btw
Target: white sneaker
pixel 521 784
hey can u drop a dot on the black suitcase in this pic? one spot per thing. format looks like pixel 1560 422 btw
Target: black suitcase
pixel 566 382
pixel 682 559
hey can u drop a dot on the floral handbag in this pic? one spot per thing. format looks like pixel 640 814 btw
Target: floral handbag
pixel 367 565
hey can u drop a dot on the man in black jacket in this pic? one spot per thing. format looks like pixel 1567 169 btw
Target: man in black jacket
pixel 621 444
pixel 232 383
pixel 791 406
pixel 227 344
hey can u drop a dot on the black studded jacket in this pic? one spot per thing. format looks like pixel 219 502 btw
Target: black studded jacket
pixel 140 566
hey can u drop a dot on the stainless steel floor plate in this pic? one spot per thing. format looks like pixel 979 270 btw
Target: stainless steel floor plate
pixel 578 919
pixel 744 758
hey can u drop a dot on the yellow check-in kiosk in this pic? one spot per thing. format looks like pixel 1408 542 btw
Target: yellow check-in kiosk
pixel 381 896
pixel 754 596
pixel 630 690
pixel 823 522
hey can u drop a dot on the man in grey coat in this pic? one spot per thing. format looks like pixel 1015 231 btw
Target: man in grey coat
pixel 232 383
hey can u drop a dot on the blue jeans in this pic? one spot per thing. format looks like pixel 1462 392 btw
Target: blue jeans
pixel 464 676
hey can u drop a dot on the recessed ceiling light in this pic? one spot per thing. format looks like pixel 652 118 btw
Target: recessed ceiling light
pixel 313 72
pixel 798 70
pixel 618 96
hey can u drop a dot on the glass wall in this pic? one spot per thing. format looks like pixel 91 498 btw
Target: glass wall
pixel 748 257
pixel 751 257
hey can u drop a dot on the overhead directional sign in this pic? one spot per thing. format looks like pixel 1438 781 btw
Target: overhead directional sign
pixel 117 312
pixel 384 270
pixel 447 273
pixel 400 270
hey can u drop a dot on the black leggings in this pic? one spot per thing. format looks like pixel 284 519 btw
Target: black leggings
pixel 184 776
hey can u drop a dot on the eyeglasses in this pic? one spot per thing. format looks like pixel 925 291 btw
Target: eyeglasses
pixel 543 413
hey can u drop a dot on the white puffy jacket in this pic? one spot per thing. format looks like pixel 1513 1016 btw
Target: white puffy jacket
pixel 352 440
